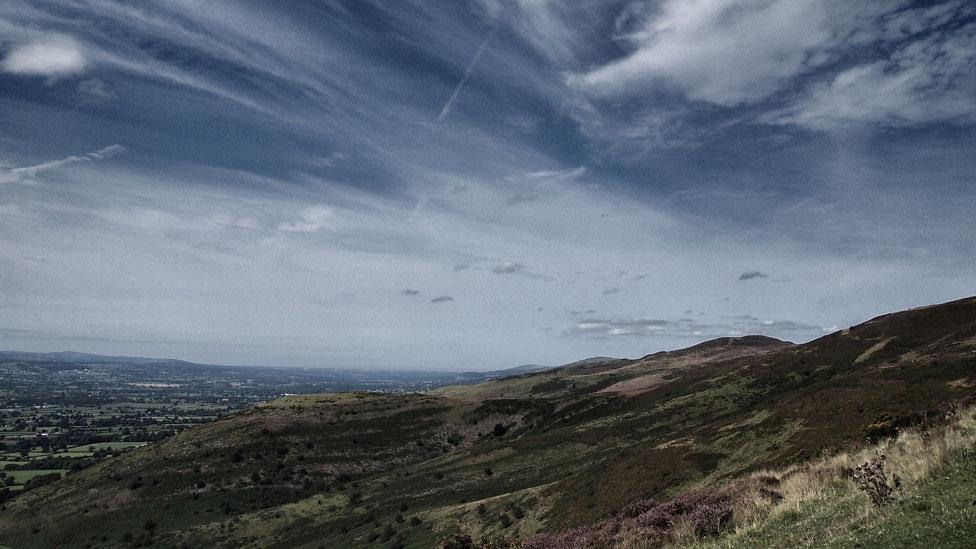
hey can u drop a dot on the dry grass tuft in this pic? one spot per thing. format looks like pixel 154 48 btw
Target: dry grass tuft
pixel 880 473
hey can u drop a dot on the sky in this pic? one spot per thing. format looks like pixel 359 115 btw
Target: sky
pixel 477 184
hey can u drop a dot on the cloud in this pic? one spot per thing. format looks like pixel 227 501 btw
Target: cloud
pixel 640 327
pixel 787 326
pixel 817 64
pixel 312 220
pixel 930 79
pixel 52 56
pixel 95 90
pixel 107 152
pixel 749 275
pixel 555 175
pixel 250 214
pixel 533 182
pixel 28 173
pixel 409 292
pixel 508 268
pixel 596 328
pixel 724 52
pixel 442 299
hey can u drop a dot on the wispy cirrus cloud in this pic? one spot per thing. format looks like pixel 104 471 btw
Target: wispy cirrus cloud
pixel 27 174
pixel 286 177
pixel 926 79
pixel 312 220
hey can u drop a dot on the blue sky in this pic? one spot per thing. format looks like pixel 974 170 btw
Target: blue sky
pixel 477 184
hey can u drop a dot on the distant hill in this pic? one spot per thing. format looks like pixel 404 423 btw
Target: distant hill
pixel 546 451
pixel 71 357
pixel 525 369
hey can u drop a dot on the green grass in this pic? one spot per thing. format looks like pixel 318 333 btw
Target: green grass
pixel 941 512
pixel 20 477
pixel 106 445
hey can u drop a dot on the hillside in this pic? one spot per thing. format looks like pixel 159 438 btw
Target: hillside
pixel 540 452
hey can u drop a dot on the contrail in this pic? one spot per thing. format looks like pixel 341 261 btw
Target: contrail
pixel 446 110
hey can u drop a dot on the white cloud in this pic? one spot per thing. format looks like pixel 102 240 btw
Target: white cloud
pixel 163 258
pixel 194 251
pixel 52 56
pixel 725 52
pixel 313 220
pixel 554 175
pixel 95 90
pixel 914 66
pixel 928 80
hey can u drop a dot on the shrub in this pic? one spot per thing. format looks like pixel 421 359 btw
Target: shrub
pixel 871 479
pixel 458 541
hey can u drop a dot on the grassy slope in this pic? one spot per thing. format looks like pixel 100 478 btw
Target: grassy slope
pixel 355 470
pixel 935 506
pixel 941 513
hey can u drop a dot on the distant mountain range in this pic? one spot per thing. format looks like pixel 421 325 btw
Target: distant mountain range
pixel 72 357
pixel 62 358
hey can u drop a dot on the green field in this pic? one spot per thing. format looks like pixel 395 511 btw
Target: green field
pixel 20 477
pixel 105 445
